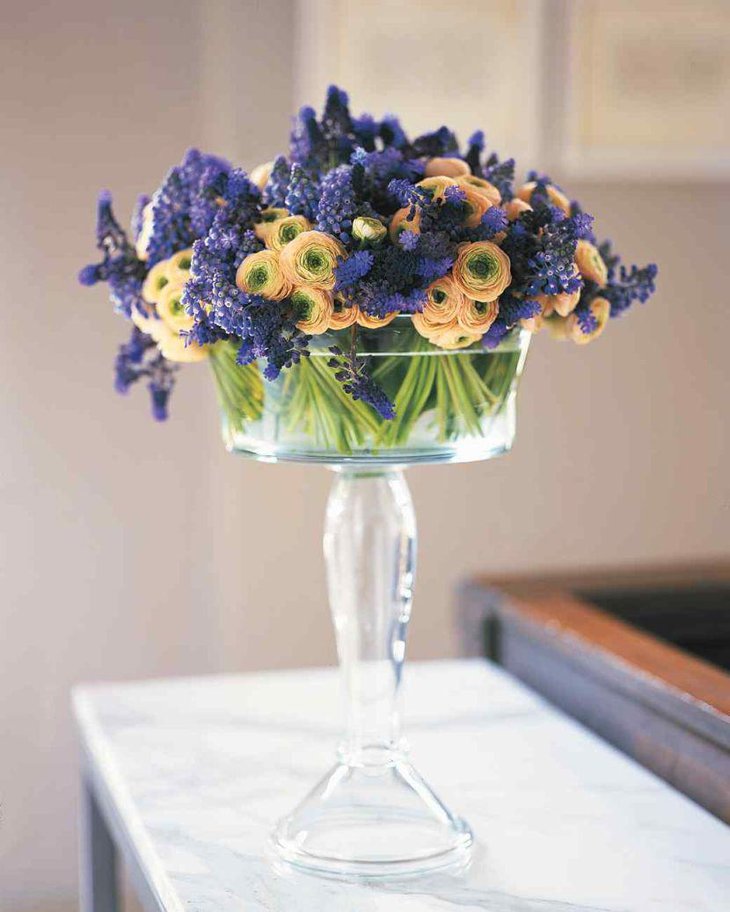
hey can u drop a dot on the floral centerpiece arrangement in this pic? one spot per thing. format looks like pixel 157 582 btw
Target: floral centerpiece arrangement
pixel 357 229
pixel 365 301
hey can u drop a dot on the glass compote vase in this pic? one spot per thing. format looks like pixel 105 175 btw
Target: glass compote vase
pixel 372 815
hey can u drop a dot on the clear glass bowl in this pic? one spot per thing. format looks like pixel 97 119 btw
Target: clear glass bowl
pixel 451 406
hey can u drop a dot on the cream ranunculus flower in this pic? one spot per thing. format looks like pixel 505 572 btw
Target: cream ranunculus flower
pixel 436 186
pixel 370 231
pixel 169 341
pixel 145 321
pixel 178 266
pixel 343 315
pixel 284 230
pixel 370 322
pixel 515 207
pixel 477 316
pixel 261 274
pixel 313 310
pixel 155 281
pixel 173 347
pixel 482 271
pixel 479 185
pixel 310 259
pixel 600 308
pixel 590 263
pixel 400 222
pixel 556 197
pixel 446 167
pixel 170 307
pixel 262 229
pixel 261 174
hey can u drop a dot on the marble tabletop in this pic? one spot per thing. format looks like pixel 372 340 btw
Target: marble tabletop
pixel 198 769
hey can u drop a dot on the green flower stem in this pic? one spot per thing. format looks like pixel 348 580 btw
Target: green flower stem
pixel 457 391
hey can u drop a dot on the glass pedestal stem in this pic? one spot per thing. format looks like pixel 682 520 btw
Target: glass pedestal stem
pixel 372 815
pixel 370 551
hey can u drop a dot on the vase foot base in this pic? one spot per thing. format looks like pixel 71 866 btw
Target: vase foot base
pixel 363 822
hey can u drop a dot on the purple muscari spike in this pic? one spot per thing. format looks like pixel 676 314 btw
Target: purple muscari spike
pixel 307 146
pixel 494 335
pixel 120 266
pixel 336 120
pixel 138 215
pixel 392 133
pixel 501 174
pixel 407 194
pixel 494 220
pixel 277 184
pixel 632 285
pixel 162 379
pixel 365 130
pixel 474 151
pixel 186 203
pixel 408 240
pixel 302 197
pixel 351 372
pixel 441 142
pixel 337 203
pixel 351 270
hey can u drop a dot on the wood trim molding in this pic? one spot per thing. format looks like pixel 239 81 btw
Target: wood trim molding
pixel 666 708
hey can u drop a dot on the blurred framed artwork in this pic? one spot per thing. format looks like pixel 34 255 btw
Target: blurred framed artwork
pixel 647 89
pixel 479 60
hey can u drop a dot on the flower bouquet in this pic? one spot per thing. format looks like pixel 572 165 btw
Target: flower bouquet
pixel 365 300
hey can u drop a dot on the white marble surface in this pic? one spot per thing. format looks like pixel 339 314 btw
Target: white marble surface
pixel 199 769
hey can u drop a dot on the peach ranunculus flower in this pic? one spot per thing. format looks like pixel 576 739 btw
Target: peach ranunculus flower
pixel 556 197
pixel 482 270
pixel 476 204
pixel 282 231
pixel 400 222
pixel 262 229
pixel 533 324
pixel 562 304
pixel 370 322
pixel 590 263
pixel 311 258
pixel 313 309
pixel 343 315
pixel 515 207
pixel 600 308
pixel 436 186
pixel 477 316
pixel 261 174
pixel 453 337
pixel 261 274
pixel 443 299
pixel 446 167
pixel 479 185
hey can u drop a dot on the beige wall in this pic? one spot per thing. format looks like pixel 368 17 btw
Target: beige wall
pixel 132 550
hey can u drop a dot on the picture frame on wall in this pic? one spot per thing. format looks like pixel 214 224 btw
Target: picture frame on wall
pixel 646 89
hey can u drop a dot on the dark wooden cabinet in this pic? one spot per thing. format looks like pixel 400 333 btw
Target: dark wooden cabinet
pixel 628 654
